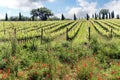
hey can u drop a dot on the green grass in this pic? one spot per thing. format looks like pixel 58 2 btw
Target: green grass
pixel 56 58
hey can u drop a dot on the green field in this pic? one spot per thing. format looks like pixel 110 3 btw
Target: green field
pixel 60 50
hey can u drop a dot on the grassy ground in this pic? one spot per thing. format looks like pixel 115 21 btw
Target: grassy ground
pixel 80 59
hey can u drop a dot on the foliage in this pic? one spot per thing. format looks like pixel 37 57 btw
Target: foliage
pixel 118 16
pixel 95 16
pixel 112 14
pixel 62 17
pixel 104 13
pixel 23 56
pixel 20 17
pixel 87 16
pixel 75 18
pixel 43 13
pixel 16 18
pixel 6 17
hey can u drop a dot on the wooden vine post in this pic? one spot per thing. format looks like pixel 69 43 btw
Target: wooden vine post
pixel 89 33
pixel 111 33
pixel 66 34
pixel 41 36
pixel 15 32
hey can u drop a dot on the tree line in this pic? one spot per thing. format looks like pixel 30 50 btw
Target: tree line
pixel 103 14
pixel 44 14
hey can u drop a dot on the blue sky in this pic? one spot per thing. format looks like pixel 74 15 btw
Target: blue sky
pixel 67 7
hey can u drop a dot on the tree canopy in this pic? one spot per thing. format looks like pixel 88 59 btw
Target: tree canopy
pixel 75 18
pixel 6 17
pixel 20 16
pixel 95 16
pixel 112 14
pixel 62 17
pixel 87 16
pixel 43 13
pixel 104 13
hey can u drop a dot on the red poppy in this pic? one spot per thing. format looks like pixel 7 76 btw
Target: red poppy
pixel 113 72
pixel 44 65
pixel 8 71
pixel 84 64
pixel 90 74
pixel 4 76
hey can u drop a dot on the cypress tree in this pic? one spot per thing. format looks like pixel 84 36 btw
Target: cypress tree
pixel 75 18
pixel 103 16
pixel 118 17
pixel 106 16
pixel 109 16
pixel 62 17
pixel 6 17
pixel 20 16
pixel 112 14
pixel 95 16
pixel 87 16
pixel 99 16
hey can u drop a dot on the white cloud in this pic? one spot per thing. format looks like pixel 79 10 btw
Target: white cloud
pixel 113 5
pixel 1 16
pixel 20 5
pixel 45 0
pixel 83 8
pixel 25 5
pixel 58 15
pixel 51 0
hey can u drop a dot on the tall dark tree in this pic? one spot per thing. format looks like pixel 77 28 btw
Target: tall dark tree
pixel 6 17
pixel 33 18
pixel 87 16
pixel 112 14
pixel 103 16
pixel 75 18
pixel 118 16
pixel 109 15
pixel 20 16
pixel 95 16
pixel 104 12
pixel 43 13
pixel 106 15
pixel 62 17
pixel 99 16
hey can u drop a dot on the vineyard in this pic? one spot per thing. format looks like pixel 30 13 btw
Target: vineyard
pixel 26 31
pixel 60 50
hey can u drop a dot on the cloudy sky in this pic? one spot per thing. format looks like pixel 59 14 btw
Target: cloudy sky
pixel 67 7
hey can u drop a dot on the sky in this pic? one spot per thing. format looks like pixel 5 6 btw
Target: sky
pixel 58 7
